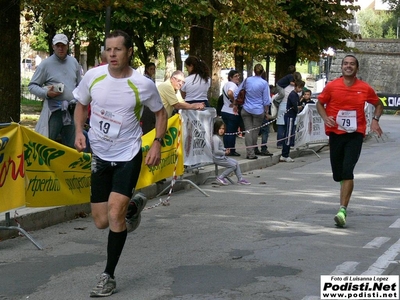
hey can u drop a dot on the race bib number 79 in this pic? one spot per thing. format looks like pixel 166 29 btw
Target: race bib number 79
pixel 347 120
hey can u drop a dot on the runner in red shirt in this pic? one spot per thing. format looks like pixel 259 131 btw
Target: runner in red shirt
pixel 341 106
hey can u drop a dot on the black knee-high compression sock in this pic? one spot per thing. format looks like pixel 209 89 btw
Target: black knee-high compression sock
pixel 116 242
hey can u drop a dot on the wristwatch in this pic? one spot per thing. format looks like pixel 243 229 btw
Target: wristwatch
pixel 376 118
pixel 158 139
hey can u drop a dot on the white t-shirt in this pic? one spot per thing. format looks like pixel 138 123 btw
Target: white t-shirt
pixel 229 86
pixel 196 88
pixel 116 108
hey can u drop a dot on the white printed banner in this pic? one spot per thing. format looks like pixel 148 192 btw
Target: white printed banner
pixel 310 127
pixel 197 126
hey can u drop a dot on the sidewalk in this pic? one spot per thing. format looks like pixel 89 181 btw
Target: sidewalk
pixel 31 219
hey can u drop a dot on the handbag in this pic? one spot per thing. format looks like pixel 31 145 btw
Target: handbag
pixel 241 95
pixel 274 111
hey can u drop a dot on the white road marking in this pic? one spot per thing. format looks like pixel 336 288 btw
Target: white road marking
pixel 376 242
pixel 348 267
pixel 383 261
pixel 396 224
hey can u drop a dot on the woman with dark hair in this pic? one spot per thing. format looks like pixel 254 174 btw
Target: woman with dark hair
pixel 256 105
pixel 150 71
pixel 229 112
pixel 198 82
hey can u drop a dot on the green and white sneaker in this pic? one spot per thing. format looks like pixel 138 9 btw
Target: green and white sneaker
pixel 340 217
pixel 105 287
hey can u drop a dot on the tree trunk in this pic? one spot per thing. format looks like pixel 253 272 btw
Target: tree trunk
pixel 216 77
pixel 10 72
pixel 51 32
pixel 283 61
pixel 91 54
pixel 201 39
pixel 239 65
pixel 249 66
pixel 169 63
pixel 177 49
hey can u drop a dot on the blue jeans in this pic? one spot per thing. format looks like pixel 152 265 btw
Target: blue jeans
pixel 232 124
pixel 57 128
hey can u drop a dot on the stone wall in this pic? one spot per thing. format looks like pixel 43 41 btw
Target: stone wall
pixel 379 63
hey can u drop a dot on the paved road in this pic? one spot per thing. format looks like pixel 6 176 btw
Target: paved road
pixel 270 240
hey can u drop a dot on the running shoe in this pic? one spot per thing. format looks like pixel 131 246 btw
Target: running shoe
pixel 340 217
pixel 105 287
pixel 133 217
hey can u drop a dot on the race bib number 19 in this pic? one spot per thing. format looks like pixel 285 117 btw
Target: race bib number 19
pixel 106 124
pixel 347 120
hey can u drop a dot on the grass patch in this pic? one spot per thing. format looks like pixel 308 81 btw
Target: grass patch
pixel 32 103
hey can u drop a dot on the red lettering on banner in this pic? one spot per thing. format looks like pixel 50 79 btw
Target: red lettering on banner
pixel 17 169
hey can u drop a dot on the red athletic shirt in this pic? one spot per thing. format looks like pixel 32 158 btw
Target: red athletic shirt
pixel 337 96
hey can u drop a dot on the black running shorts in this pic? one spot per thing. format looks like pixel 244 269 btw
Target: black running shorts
pixel 118 177
pixel 345 149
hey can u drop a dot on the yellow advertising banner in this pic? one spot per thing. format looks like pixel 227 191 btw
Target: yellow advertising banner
pixel 171 154
pixel 12 170
pixel 38 172
pixel 55 174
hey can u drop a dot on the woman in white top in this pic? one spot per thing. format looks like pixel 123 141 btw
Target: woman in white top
pixel 197 84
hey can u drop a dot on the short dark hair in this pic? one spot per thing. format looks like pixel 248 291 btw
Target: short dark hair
pixel 128 43
pixel 299 83
pixel 149 64
pixel 231 74
pixel 351 55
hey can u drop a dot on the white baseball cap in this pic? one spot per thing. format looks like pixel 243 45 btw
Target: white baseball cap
pixel 60 38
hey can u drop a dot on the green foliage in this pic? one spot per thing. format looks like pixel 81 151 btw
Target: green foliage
pixel 375 24
pixel 256 27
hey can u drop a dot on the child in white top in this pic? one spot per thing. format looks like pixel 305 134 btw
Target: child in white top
pixel 220 158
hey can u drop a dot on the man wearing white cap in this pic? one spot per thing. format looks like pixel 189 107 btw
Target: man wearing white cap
pixel 54 80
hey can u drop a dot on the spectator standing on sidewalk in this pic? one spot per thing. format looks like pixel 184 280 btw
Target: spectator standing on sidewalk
pixel 292 109
pixel 341 106
pixel 117 94
pixel 256 104
pixel 220 158
pixel 53 81
pixel 230 112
